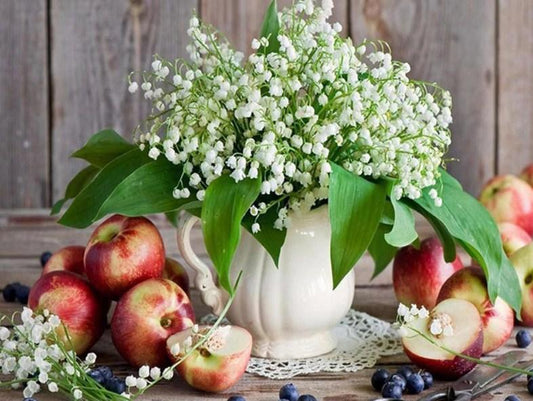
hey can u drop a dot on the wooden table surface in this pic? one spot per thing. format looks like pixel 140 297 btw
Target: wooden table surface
pixel 22 238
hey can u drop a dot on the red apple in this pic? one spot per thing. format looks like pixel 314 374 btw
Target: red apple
pixel 513 237
pixel 509 199
pixel 466 338
pixel 217 364
pixel 470 284
pixel 122 252
pixel 145 317
pixel 69 258
pixel 522 261
pixel 174 271
pixel 418 274
pixel 527 174
pixel 79 307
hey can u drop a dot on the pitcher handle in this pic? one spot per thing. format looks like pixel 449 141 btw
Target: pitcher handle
pixel 211 295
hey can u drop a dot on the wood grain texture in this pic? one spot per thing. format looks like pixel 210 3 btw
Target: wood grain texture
pixel 24 153
pixel 515 100
pixel 240 20
pixel 451 42
pixel 95 44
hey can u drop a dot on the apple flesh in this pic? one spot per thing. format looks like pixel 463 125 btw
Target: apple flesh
pixel 466 338
pixel 522 261
pixel 418 274
pixel 509 199
pixel 145 317
pixel 470 284
pixel 527 174
pixel 513 237
pixel 217 364
pixel 175 271
pixel 122 252
pixel 79 307
pixel 69 258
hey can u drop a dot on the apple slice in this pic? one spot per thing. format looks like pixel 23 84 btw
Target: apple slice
pixel 216 365
pixel 470 284
pixel 466 337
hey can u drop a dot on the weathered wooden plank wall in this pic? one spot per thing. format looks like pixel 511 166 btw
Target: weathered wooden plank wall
pixel 64 64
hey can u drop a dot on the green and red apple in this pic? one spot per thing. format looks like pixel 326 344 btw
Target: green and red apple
pixel 470 284
pixel 522 261
pixel 509 199
pixel 123 251
pixel 218 363
pixel 418 274
pixel 175 271
pixel 69 258
pixel 527 174
pixel 80 308
pixel 465 337
pixel 513 237
pixel 145 316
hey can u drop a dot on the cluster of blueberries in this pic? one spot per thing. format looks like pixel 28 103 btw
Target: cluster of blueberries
pixel 405 379
pixel 103 375
pixel 288 392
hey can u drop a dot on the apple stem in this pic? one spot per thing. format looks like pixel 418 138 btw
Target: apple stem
pixel 470 358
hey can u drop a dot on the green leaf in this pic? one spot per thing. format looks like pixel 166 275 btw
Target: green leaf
pixel 103 147
pixel 355 208
pixel 270 29
pixel 381 251
pixel 148 189
pixel 80 181
pixel 271 238
pixel 471 225
pixel 403 231
pixel 224 206
pixel 86 206
pixel 387 217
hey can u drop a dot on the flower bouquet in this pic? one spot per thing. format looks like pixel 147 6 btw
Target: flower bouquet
pixel 308 119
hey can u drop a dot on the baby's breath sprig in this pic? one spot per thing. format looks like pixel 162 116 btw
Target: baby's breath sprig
pixel 283 117
pixel 405 317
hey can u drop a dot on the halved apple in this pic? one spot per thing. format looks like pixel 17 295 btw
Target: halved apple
pixel 218 363
pixel 463 333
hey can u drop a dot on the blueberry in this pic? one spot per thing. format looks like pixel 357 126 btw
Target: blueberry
pixel 45 256
pixel 512 398
pixel 523 338
pixel 428 379
pixel 398 379
pixel 307 397
pixel 289 392
pixel 236 398
pixel 415 384
pixel 10 292
pixel 29 399
pixel 97 376
pixel 379 378
pixel 392 390
pixel 105 371
pixel 115 384
pixel 22 293
pixel 405 371
pixel 530 386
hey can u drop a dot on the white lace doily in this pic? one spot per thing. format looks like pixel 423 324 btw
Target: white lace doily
pixel 362 340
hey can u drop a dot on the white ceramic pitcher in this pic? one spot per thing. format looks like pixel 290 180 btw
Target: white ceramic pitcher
pixel 290 310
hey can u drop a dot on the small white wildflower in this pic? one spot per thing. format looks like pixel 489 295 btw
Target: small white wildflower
pixel 133 87
pixel 423 312
pixel 52 387
pixel 447 330
pixel 255 44
pixel 155 373
pixel 90 358
pixel 4 333
pixel 435 327
pixel 168 373
pixel 141 383
pixel 131 381
pixel 144 371
pixel 77 394
pixel 403 310
pixel 256 228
